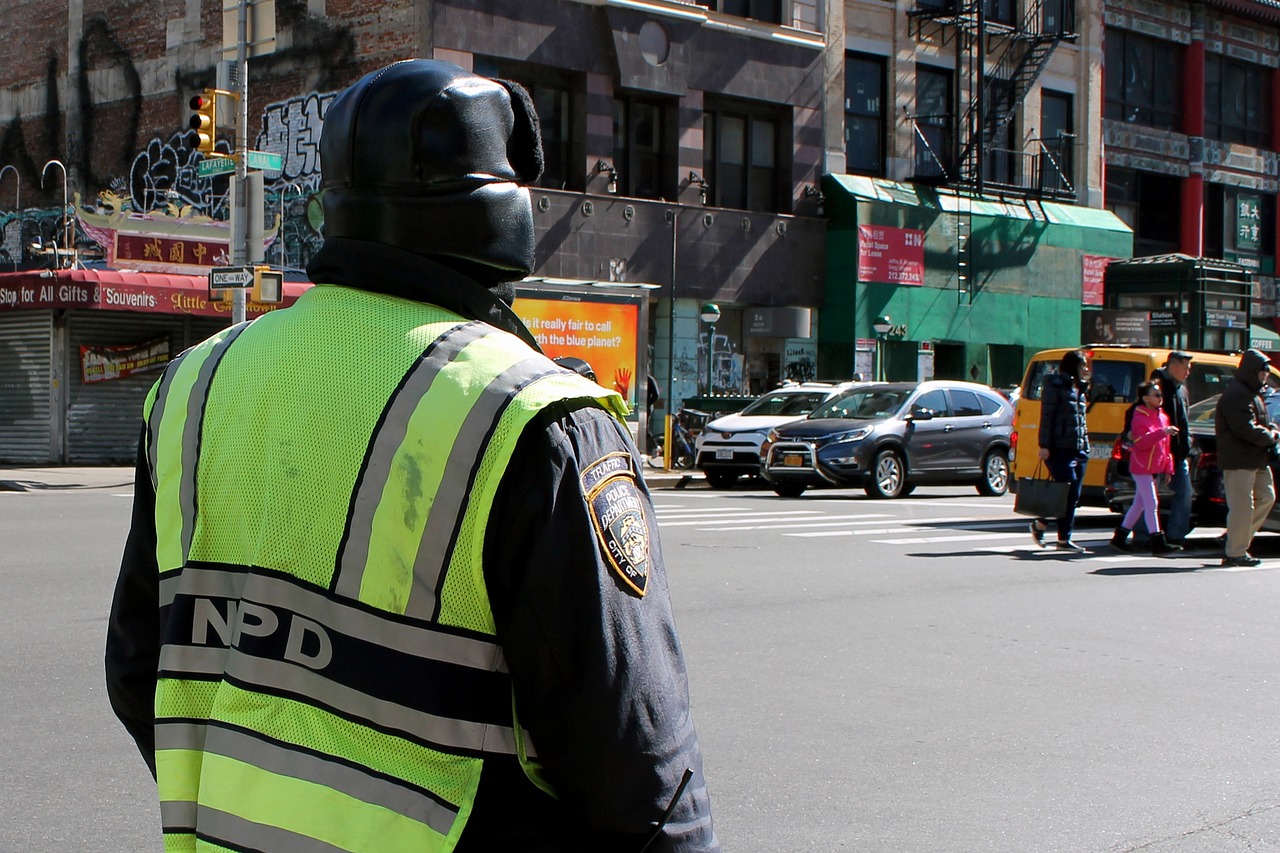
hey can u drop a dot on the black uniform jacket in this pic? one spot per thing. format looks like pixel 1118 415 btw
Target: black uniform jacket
pixel 598 671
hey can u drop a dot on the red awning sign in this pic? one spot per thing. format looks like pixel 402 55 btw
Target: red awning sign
pixel 124 290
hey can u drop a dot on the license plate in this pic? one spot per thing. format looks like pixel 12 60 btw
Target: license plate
pixel 724 453
pixel 793 460
pixel 1099 451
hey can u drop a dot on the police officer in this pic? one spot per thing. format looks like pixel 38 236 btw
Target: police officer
pixel 393 580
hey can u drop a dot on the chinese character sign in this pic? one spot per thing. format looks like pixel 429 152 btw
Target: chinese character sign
pixel 890 255
pixel 1248 223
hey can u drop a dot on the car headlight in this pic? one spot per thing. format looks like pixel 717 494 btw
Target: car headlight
pixel 853 435
pixel 769 440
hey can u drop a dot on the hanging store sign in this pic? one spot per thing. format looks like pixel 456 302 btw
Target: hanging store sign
pixel 1248 223
pixel 102 363
pixel 1093 270
pixel 111 290
pixel 890 255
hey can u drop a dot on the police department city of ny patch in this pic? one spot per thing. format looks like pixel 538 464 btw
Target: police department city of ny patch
pixel 617 512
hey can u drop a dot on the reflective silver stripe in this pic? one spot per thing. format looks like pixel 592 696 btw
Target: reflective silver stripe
pixel 191 434
pixel 179 735
pixel 157 411
pixel 177 815
pixel 219 826
pixel 388 438
pixel 361 785
pixel 423 641
pixel 442 732
pixel 455 486
pixel 176 661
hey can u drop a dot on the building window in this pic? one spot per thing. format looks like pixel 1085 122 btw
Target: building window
pixel 864 115
pixel 1144 80
pixel 1001 11
pixel 553 95
pixel 1057 135
pixel 741 150
pixel 1237 102
pixel 1150 204
pixel 759 10
pixel 641 148
pixel 934 120
pixel 1001 158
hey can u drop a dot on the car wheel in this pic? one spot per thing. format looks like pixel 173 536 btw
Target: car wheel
pixel 721 481
pixel 888 476
pixel 788 490
pixel 995 474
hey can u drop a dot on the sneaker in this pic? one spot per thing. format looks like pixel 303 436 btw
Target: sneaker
pixel 1246 560
pixel 1068 545
pixel 1037 533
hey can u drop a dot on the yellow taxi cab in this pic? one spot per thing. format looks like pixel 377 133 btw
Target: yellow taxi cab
pixel 1117 373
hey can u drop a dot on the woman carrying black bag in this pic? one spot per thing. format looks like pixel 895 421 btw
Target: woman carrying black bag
pixel 1064 440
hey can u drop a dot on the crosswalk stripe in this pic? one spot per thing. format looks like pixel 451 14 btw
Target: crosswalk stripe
pixel 926 540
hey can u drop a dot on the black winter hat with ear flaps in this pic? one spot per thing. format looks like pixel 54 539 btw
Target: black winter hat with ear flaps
pixel 428 157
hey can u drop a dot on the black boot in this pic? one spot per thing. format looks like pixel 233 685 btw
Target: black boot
pixel 1160 545
pixel 1120 539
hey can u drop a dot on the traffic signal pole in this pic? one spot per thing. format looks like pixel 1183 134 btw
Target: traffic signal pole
pixel 240 189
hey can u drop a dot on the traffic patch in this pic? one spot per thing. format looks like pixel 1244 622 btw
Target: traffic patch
pixel 617 508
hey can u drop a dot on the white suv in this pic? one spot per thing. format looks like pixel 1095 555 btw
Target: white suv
pixel 729 446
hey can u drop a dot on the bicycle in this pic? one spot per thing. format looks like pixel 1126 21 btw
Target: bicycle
pixel 685 428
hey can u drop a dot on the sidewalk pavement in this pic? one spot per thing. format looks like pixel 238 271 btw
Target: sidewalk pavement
pixel 118 477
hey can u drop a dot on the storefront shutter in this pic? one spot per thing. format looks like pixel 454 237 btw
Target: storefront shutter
pixel 104 418
pixel 26 418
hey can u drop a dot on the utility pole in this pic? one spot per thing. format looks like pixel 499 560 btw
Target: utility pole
pixel 240 185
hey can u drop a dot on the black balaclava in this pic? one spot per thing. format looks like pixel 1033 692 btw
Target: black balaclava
pixel 429 158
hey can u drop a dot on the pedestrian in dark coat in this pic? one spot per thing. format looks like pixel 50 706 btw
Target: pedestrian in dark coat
pixel 1245 438
pixel 1064 440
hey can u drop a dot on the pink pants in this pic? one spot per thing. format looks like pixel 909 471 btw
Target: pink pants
pixel 1144 503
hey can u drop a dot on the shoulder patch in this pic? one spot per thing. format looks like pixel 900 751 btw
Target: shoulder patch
pixel 617 509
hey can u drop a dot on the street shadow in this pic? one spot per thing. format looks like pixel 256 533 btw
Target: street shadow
pixel 1154 569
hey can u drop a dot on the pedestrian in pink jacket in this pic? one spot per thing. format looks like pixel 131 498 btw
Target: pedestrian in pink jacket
pixel 1149 457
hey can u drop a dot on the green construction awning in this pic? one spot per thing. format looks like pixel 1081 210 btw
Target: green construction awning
pixel 1262 335
pixel 893 192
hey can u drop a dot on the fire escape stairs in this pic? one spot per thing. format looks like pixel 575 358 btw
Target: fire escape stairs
pixel 997 88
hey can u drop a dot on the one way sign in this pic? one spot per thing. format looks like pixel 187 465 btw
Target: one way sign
pixel 224 277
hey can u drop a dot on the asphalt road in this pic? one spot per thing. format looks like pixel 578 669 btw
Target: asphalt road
pixel 875 676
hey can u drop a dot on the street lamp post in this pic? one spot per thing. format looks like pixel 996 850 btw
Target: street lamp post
pixel 710 314
pixel 66 212
pixel 882 325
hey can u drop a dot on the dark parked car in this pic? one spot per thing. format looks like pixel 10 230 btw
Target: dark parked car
pixel 1208 499
pixel 889 438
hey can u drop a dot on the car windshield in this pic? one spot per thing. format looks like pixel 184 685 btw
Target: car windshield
pixel 865 403
pixel 785 404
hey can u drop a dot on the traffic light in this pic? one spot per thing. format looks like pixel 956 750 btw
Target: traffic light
pixel 204 121
pixel 268 285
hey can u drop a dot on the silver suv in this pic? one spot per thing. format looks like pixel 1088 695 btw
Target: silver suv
pixel 729 446
pixel 890 437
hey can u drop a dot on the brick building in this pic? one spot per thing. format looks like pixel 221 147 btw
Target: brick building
pixel 685 143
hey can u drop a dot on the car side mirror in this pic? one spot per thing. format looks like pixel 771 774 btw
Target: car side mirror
pixel 921 415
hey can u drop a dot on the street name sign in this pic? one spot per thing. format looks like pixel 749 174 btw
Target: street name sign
pixel 225 277
pixel 210 166
pixel 263 160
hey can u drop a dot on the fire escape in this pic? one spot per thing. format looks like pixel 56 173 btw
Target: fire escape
pixel 997 62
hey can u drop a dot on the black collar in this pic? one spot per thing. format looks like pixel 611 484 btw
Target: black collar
pixel 385 269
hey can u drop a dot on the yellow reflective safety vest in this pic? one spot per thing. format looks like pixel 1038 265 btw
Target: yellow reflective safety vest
pixel 330 678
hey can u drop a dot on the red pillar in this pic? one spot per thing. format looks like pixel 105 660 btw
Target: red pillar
pixel 1192 236
pixel 1275 109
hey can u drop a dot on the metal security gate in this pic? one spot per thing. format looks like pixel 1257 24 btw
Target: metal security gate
pixel 27 411
pixel 104 418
